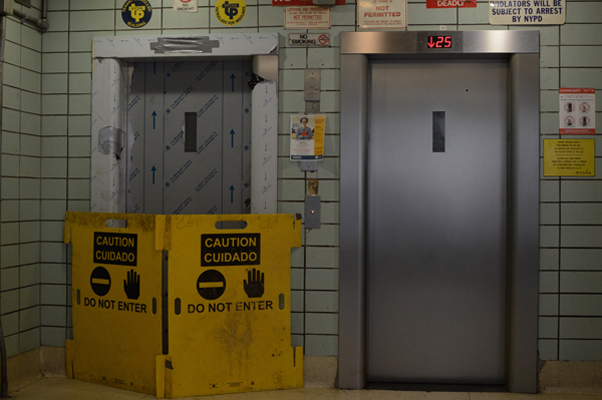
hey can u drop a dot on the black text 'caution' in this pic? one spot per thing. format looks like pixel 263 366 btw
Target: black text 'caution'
pixel 230 249
pixel 115 248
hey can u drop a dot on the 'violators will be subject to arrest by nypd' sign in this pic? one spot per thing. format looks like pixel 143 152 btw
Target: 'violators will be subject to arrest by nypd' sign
pixel 527 12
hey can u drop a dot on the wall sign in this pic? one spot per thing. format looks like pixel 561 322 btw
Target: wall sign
pixel 450 3
pixel 308 39
pixel 230 12
pixel 185 6
pixel 307 17
pixel 527 12
pixel 301 2
pixel 307 137
pixel 577 111
pixel 136 13
pixel 381 14
pixel 568 157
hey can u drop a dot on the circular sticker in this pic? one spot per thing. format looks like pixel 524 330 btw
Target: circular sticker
pixel 136 13
pixel 230 12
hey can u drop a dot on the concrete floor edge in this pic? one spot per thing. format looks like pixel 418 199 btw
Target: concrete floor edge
pixel 62 388
pixel 576 377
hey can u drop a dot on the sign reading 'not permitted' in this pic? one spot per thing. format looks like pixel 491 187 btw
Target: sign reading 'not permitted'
pixel 230 249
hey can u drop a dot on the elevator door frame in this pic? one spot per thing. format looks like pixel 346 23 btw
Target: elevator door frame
pixel 521 50
pixel 110 77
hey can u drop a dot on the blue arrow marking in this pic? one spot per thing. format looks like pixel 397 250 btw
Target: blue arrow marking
pixel 232 133
pixel 231 194
pixel 154 114
pixel 154 170
pixel 233 77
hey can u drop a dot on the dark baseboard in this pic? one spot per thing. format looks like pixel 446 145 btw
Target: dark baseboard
pixel 430 387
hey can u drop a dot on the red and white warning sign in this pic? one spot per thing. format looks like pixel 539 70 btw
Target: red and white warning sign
pixel 381 14
pixel 450 3
pixel 301 2
pixel 577 111
pixel 185 5
pixel 307 17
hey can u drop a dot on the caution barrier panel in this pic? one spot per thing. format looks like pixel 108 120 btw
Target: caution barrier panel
pixel 229 304
pixel 211 317
pixel 116 298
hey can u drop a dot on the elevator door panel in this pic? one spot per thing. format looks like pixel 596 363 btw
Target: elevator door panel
pixel 437 222
pixel 189 138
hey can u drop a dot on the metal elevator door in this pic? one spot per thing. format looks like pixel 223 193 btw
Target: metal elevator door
pixel 189 137
pixel 436 272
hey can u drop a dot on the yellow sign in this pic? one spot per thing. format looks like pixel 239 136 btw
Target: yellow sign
pixel 569 157
pixel 136 13
pixel 230 12
pixel 229 321
pixel 117 297
pixel 175 306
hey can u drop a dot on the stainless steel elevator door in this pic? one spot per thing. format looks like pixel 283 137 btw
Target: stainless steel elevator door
pixel 189 138
pixel 437 222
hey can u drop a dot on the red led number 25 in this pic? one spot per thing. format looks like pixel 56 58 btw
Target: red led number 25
pixel 443 41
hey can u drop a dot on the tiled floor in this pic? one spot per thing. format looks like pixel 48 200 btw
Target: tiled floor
pixel 68 389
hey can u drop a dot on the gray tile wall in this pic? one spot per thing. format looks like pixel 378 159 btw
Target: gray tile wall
pixel 20 228
pixel 46 163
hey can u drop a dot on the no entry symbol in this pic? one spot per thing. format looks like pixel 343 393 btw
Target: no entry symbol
pixel 100 280
pixel 211 284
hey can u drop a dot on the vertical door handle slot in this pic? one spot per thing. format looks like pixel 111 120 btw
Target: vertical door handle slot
pixel 190 132
pixel 438 131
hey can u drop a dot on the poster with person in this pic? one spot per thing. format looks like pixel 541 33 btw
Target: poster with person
pixel 307 137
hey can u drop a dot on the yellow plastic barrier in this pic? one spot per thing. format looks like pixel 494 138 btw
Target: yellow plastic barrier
pixel 229 305
pixel 183 305
pixel 116 285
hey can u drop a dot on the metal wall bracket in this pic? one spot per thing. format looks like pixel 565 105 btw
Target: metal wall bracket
pixel 312 91
pixel 310 166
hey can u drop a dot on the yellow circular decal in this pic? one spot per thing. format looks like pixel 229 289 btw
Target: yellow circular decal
pixel 230 12
pixel 136 13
